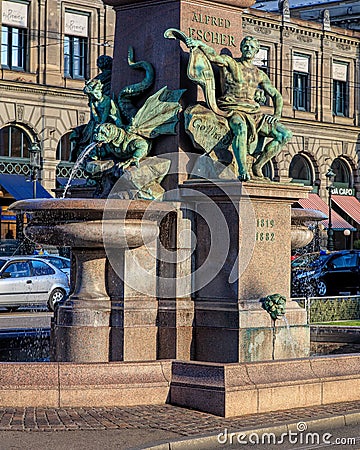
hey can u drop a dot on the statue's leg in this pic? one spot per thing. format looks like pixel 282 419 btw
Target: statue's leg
pixel 239 145
pixel 281 136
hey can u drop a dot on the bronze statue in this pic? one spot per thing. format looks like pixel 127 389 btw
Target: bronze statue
pixel 104 107
pixel 122 150
pixel 122 158
pixel 243 86
pixel 116 142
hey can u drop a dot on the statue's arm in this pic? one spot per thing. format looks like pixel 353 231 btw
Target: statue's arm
pixel 208 51
pixel 271 90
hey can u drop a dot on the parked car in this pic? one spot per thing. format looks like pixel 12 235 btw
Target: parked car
pixel 60 262
pixel 333 273
pixel 30 280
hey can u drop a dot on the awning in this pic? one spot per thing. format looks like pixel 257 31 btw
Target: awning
pixel 74 182
pixel 349 204
pixel 20 188
pixel 315 202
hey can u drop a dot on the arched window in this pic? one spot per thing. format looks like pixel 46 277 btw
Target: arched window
pixel 342 172
pixel 64 148
pixel 267 170
pixel 14 142
pixel 300 171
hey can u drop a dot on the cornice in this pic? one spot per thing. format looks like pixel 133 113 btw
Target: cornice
pixel 341 39
pixel 336 128
pixel 256 21
pixel 300 27
pixel 40 90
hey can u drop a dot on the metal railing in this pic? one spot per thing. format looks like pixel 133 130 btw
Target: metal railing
pixel 329 309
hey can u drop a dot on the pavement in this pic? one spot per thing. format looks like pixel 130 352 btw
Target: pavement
pixel 157 427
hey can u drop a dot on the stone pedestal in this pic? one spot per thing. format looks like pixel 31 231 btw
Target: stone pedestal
pixel 243 254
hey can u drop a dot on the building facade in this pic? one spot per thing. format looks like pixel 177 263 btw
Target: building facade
pixel 316 68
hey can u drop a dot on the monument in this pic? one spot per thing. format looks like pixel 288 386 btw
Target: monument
pixel 181 281
pixel 210 294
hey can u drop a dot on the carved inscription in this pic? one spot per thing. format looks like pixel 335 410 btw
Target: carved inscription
pixel 265 230
pixel 219 36
pixel 205 129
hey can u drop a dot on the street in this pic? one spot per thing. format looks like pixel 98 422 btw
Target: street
pixel 24 334
pixel 24 318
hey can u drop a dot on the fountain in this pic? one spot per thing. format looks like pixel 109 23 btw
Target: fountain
pixel 152 317
pixel 301 219
pixel 86 316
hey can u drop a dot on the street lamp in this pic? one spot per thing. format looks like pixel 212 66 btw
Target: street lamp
pixel 35 163
pixel 347 234
pixel 330 175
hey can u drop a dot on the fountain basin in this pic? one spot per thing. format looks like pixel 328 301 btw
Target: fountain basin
pixel 301 235
pixel 89 325
pixel 125 223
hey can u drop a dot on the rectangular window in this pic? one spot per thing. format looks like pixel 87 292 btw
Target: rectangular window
pixel 75 60
pixel 340 98
pixel 340 90
pixel 13 48
pixel 75 45
pixel 301 82
pixel 261 60
pixel 301 91
pixel 14 35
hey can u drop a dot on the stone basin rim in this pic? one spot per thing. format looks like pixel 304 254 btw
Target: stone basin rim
pixel 307 214
pixel 90 204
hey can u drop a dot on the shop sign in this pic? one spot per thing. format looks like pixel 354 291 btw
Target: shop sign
pixel 335 190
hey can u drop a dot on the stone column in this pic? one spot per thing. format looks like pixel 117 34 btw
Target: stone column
pixel 176 306
pixel 243 254
pixel 81 328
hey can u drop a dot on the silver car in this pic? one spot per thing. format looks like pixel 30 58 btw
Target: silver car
pixel 60 262
pixel 29 280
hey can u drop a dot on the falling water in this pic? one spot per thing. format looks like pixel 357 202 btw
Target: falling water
pixel 77 164
pixel 289 339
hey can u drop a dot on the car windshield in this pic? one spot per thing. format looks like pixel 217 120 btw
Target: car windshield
pixel 308 261
pixel 2 262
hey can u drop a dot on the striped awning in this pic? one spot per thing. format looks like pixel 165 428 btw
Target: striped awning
pixel 349 204
pixel 315 202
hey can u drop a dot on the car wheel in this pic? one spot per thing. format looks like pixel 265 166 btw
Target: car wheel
pixel 55 297
pixel 12 308
pixel 321 288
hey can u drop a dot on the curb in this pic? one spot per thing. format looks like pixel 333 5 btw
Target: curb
pixel 211 440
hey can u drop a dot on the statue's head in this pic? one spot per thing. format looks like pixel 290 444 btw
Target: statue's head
pixel 104 62
pixel 108 132
pixel 249 46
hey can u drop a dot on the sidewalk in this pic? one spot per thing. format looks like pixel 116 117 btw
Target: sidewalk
pixel 145 426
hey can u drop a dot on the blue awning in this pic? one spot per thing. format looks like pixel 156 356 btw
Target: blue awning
pixel 20 188
pixel 74 182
